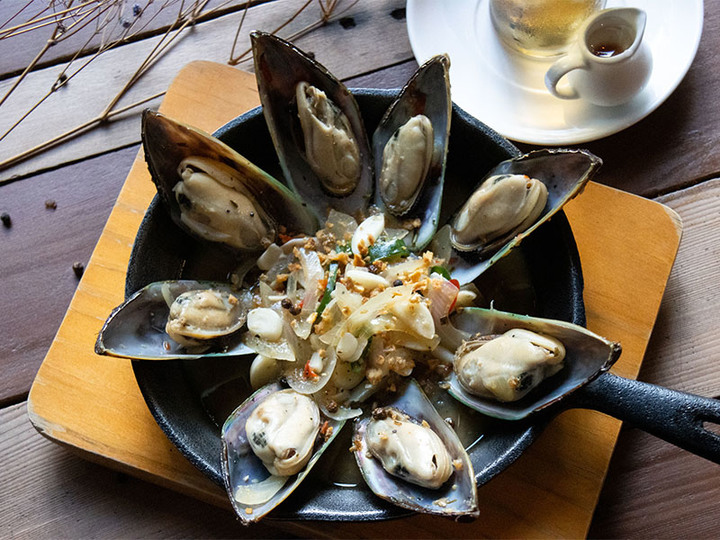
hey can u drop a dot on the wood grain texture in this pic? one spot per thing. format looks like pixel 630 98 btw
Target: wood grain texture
pixel 38 253
pixel 551 490
pixel 655 490
pixel 49 492
pixel 685 348
pixel 85 38
pixel 87 95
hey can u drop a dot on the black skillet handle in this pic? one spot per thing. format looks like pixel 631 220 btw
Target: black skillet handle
pixel 674 416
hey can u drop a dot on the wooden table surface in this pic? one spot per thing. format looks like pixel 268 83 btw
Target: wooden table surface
pixel 652 488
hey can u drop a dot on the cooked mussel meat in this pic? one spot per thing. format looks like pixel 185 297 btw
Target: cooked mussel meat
pixel 411 451
pixel 330 146
pixel 167 320
pixel 508 366
pixel 502 206
pixel 204 314
pixel 270 444
pixel 512 201
pixel 410 146
pixel 282 431
pixel 316 128
pixel 217 208
pixel 411 457
pixel 214 193
pixel 406 160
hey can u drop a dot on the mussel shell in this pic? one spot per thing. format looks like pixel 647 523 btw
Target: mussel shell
pixel 457 497
pixel 564 172
pixel 167 143
pixel 240 465
pixel 279 67
pixel 587 356
pixel 136 328
pixel 427 93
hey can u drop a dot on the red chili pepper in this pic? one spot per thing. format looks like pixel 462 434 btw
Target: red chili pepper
pixel 457 284
pixel 308 372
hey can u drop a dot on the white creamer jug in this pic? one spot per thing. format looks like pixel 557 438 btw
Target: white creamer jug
pixel 608 64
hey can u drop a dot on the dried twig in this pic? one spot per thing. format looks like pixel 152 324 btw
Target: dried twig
pixel 112 30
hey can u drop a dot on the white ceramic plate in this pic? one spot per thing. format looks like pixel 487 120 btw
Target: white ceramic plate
pixel 507 91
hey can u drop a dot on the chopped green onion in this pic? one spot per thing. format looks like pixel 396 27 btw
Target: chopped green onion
pixel 441 270
pixel 329 288
pixel 388 250
pixel 344 247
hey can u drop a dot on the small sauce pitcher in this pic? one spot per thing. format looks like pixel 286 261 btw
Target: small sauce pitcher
pixel 609 63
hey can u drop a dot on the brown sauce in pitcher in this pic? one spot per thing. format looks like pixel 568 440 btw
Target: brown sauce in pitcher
pixel 609 40
pixel 606 50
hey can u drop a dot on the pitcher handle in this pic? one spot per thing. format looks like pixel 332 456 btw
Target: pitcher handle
pixel 558 70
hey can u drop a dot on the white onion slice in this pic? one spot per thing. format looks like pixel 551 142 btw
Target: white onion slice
pixel 259 492
pixel 367 233
pixel 303 385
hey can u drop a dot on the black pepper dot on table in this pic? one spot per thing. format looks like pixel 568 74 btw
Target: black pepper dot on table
pixel 347 23
pixel 50 204
pixel 398 14
pixel 6 221
pixel 78 268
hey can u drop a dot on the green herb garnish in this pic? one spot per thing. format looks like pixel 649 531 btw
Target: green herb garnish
pixel 386 251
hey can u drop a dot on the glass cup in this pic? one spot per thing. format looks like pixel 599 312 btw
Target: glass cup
pixel 540 28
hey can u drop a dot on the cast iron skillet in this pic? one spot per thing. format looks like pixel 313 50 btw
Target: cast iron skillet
pixel 171 388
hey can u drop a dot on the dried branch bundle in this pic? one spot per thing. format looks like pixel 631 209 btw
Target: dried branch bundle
pixel 113 23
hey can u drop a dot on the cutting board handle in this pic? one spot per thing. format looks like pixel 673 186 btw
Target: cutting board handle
pixel 676 417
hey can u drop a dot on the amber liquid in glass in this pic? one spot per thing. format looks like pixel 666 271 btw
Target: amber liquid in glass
pixel 540 27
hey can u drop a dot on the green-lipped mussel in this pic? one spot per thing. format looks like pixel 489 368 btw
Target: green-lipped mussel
pixel 557 357
pixel 214 193
pixel 410 146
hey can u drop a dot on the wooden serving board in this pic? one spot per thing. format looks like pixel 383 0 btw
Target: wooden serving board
pixel 92 403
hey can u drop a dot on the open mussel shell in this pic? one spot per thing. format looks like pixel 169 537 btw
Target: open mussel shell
pixel 253 491
pixel 280 67
pixel 239 208
pixel 410 163
pixel 456 497
pixel 587 356
pixel 136 328
pixel 564 173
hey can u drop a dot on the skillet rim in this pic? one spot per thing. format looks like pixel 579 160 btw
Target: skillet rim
pixel 163 383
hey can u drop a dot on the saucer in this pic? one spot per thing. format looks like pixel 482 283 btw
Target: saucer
pixel 507 91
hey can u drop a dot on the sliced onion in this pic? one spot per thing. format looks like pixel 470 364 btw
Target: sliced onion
pixel 450 337
pixel 269 257
pixel 342 412
pixel 279 350
pixel 342 226
pixel 441 294
pixel 298 382
pixel 372 308
pixel 167 295
pixel 265 292
pixel 367 233
pixel 313 273
pixel 259 492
